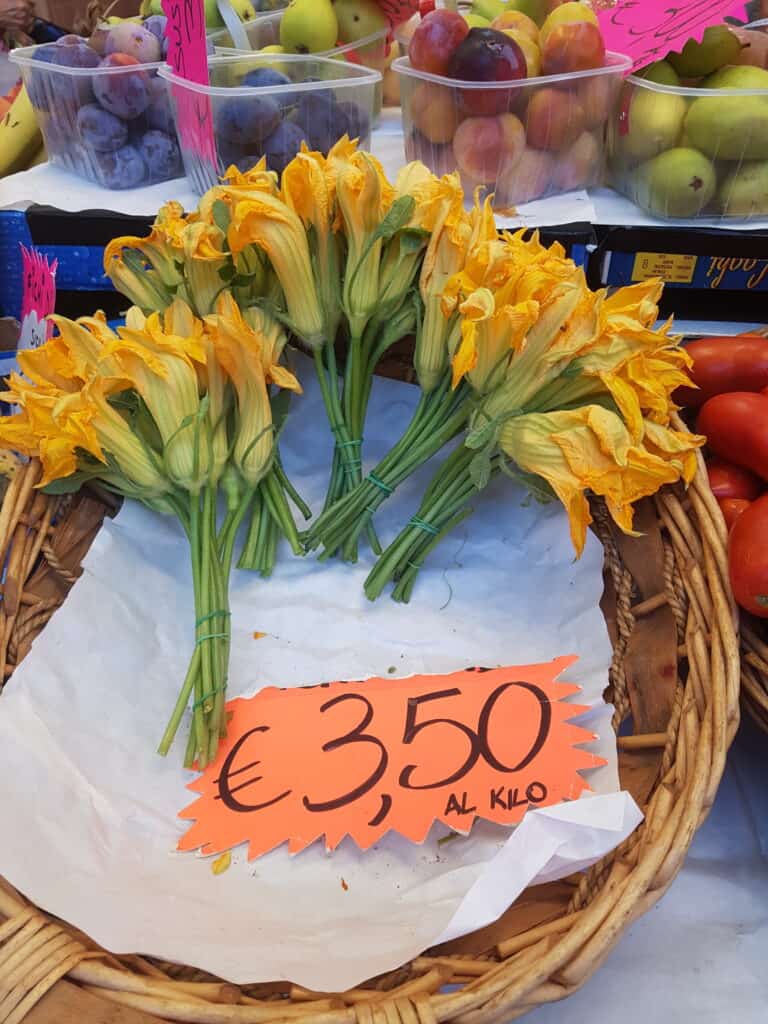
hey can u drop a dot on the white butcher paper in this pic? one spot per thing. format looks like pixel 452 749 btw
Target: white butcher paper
pixel 91 809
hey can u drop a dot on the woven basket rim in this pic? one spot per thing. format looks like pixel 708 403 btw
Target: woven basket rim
pixel 540 964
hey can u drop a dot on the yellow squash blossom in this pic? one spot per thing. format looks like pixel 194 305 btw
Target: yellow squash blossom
pixel 309 189
pixel 490 334
pixel 364 197
pixel 159 359
pixel 268 223
pixel 241 351
pixel 590 450
pixel 204 259
pixel 145 269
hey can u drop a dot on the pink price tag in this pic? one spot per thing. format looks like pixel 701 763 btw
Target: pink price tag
pixel 38 297
pixel 188 58
pixel 647 30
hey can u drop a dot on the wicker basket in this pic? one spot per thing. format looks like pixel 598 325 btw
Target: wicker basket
pixel 675 685
pixel 754 669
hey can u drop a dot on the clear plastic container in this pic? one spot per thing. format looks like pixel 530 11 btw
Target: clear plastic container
pixel 112 125
pixel 521 140
pixel 318 102
pixel 221 37
pixel 370 50
pixel 681 152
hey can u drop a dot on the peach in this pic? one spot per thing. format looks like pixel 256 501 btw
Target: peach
pixel 434 111
pixel 529 178
pixel 572 13
pixel 483 145
pixel 516 21
pixel 555 119
pixel 579 165
pixel 572 47
pixel 598 98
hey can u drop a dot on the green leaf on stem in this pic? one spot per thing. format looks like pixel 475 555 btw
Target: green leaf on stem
pixel 400 212
pixel 480 469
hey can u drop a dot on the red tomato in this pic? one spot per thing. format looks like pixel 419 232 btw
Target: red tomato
pixel 748 558
pixel 729 481
pixel 732 509
pixel 736 427
pixel 725 364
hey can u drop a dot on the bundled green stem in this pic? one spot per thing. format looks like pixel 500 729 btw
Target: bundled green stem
pixel 439 417
pixel 445 504
pixel 272 519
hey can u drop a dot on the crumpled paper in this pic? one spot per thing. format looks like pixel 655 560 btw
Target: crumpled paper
pixel 92 809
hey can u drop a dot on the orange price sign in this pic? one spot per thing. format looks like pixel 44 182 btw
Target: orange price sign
pixel 361 759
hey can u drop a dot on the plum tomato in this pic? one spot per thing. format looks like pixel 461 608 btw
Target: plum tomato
pixel 724 364
pixel 748 558
pixel 736 428
pixel 732 509
pixel 729 481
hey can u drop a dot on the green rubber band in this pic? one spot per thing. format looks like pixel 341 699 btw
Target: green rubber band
pixel 349 444
pixel 415 565
pixel 380 484
pixel 213 615
pixel 426 527
pixel 207 696
pixel 211 636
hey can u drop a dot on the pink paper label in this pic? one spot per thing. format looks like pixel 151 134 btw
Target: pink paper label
pixel 188 58
pixel 38 297
pixel 647 30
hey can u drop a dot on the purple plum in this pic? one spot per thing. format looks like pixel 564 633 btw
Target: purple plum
pixel 135 40
pixel 122 169
pixel 156 25
pixel 158 113
pixel 248 120
pixel 161 155
pixel 124 94
pixel 283 145
pixel 100 130
pixel 357 126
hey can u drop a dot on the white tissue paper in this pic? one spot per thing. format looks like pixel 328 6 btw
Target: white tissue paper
pixel 92 809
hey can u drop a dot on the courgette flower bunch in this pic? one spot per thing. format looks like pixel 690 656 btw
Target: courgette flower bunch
pixel 173 411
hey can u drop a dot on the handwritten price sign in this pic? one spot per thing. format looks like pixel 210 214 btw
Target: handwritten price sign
pixel 188 57
pixel 38 297
pixel 647 30
pixel 361 759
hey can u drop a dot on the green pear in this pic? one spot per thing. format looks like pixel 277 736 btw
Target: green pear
pixel 744 192
pixel 731 127
pixel 719 46
pixel 654 123
pixel 213 18
pixel 678 183
pixel 244 9
pixel 662 73
pixel 490 9
pixel 309 26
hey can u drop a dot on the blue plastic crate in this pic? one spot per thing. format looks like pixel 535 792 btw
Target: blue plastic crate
pixel 80 267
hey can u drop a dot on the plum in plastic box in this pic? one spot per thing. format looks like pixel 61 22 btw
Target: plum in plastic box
pixel 522 140
pixel 263 106
pixel 105 118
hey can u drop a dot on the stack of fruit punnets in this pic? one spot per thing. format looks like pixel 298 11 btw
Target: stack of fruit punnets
pixel 261 109
pixel 691 133
pixel 517 109
pixel 103 110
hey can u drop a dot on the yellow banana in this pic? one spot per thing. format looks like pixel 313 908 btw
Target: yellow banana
pixel 20 137
pixel 40 157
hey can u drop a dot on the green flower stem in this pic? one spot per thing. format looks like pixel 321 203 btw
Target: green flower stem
pixel 446 489
pixel 278 506
pixel 181 705
pixel 201 732
pixel 290 490
pixel 404 587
